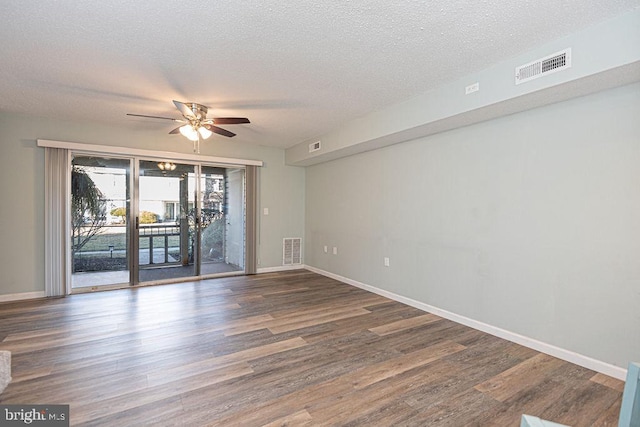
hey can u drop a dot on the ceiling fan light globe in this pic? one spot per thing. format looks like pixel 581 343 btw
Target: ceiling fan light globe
pixel 204 132
pixel 189 132
pixel 166 166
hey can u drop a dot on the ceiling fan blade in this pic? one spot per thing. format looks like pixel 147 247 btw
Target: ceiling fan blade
pixel 230 120
pixel 186 111
pixel 175 131
pixel 219 131
pixel 156 117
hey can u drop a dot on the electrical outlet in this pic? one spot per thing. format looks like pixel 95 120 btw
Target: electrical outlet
pixel 335 250
pixel 326 249
pixel 386 261
pixel 472 88
pixel 265 211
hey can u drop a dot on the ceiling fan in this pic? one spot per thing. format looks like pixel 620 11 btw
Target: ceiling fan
pixel 196 124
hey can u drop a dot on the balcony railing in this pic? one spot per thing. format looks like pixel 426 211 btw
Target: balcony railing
pixel 152 231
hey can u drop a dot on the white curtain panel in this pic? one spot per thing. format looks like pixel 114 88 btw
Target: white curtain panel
pixel 57 165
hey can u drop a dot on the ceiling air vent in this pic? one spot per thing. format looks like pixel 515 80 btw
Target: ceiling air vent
pixel 291 251
pixel 541 67
pixel 314 146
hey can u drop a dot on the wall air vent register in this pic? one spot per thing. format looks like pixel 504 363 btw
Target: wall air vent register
pixel 541 67
pixel 314 146
pixel 292 251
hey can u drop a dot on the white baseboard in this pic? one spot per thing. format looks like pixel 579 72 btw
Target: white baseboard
pixel 552 350
pixel 280 268
pixel 21 296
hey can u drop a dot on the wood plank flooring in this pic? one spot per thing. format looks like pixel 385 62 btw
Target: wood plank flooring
pixel 281 349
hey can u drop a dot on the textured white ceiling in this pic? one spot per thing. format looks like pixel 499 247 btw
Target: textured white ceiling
pixel 296 68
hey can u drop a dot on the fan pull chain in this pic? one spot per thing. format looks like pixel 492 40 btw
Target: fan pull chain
pixel 196 145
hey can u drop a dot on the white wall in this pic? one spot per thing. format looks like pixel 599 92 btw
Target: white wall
pixel 529 222
pixel 281 188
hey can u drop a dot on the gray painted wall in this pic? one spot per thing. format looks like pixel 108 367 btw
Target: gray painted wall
pixel 529 222
pixel 22 177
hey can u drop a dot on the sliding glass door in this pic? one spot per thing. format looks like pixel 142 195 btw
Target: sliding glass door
pixel 222 220
pixel 140 221
pixel 166 220
pixel 100 208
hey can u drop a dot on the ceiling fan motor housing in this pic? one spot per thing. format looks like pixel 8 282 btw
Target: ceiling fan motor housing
pixel 199 110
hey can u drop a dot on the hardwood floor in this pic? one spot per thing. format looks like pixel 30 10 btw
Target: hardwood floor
pixel 280 349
